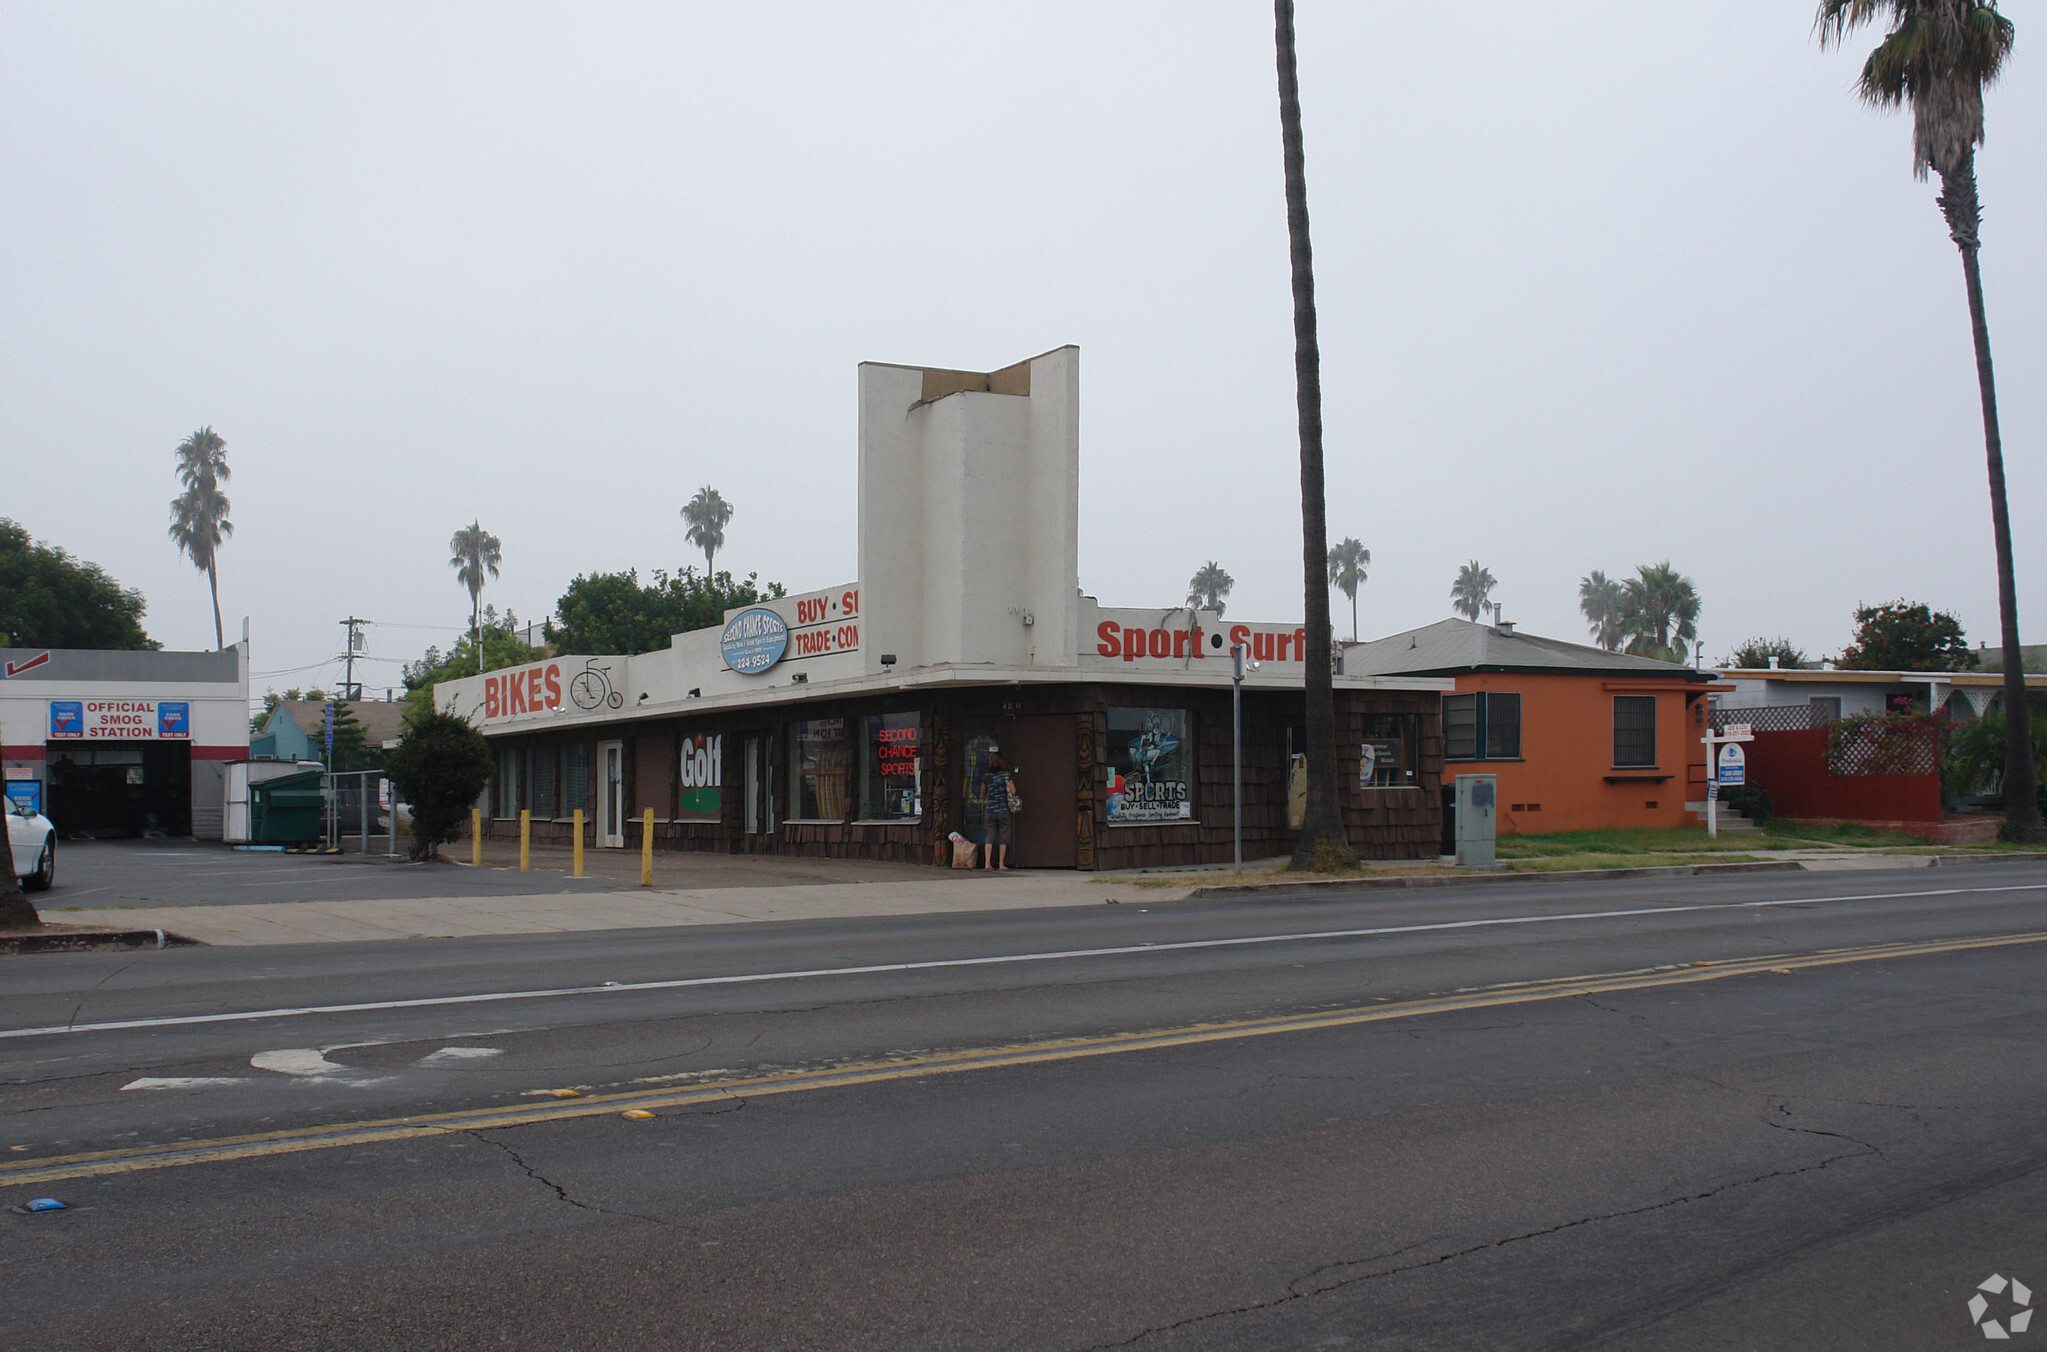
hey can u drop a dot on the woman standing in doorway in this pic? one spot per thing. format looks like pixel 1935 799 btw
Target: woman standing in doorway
pixel 998 823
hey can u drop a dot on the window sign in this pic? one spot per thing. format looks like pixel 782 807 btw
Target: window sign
pixel 1150 766
pixel 891 782
pixel 702 778
pixel 1386 757
pixel 820 759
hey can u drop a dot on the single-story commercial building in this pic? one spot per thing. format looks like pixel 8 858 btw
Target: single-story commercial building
pixel 858 720
pixel 1581 738
pixel 124 743
pixel 1831 695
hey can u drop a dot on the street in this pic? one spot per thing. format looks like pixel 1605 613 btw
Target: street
pixel 1765 1110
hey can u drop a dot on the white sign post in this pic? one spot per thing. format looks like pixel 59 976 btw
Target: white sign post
pixel 1726 764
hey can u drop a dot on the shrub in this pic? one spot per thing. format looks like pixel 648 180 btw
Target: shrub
pixel 1750 800
pixel 440 766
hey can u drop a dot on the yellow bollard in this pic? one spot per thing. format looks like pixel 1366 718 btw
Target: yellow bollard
pixel 647 848
pixel 525 840
pixel 579 842
pixel 476 836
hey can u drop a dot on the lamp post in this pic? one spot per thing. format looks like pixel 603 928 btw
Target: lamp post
pixel 1237 656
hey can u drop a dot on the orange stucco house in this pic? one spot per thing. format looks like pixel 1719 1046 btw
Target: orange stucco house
pixel 1582 739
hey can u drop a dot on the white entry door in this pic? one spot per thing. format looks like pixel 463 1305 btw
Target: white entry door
pixel 611 795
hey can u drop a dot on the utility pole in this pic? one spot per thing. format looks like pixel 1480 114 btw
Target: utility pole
pixel 349 689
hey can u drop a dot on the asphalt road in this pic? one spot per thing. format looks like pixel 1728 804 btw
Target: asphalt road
pixel 1770 1111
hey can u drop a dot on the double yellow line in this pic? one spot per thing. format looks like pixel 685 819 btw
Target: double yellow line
pixel 27 1172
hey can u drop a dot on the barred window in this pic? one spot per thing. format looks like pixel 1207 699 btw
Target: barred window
pixel 1634 730
pixel 576 778
pixel 1487 722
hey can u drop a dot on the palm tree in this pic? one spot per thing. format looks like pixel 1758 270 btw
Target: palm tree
pixel 1937 57
pixel 1659 611
pixel 199 514
pixel 472 552
pixel 1470 592
pixel 1348 559
pixel 1603 603
pixel 1209 586
pixel 707 514
pixel 1322 833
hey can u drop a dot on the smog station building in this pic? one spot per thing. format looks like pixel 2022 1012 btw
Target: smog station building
pixel 857 720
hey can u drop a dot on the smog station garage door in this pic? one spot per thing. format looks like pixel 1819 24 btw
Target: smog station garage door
pixel 120 788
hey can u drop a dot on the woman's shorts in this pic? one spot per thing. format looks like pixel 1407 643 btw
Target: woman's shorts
pixel 998 828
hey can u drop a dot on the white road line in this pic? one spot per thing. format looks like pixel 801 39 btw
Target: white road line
pixel 183 1082
pixel 936 964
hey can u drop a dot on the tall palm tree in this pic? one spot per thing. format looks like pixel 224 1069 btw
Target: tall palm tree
pixel 199 514
pixel 1209 586
pixel 707 514
pixel 472 552
pixel 1604 605
pixel 1348 559
pixel 1938 56
pixel 1470 593
pixel 1322 832
pixel 1659 611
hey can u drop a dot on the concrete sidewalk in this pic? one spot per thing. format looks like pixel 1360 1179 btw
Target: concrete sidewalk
pixel 298 922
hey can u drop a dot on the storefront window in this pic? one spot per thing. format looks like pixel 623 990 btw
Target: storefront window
pixel 542 780
pixel 1386 760
pixel 576 778
pixel 1151 761
pixel 891 779
pixel 508 783
pixel 819 760
pixel 979 748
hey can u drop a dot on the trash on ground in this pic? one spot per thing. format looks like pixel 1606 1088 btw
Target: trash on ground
pixel 40 1204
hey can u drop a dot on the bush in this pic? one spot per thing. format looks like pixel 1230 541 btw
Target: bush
pixel 441 766
pixel 1750 800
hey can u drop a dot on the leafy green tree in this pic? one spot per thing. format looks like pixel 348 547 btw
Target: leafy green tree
pixel 1907 636
pixel 605 613
pixel 1937 57
pixel 1323 842
pixel 440 766
pixel 473 552
pixel 1470 592
pixel 1659 612
pixel 1348 560
pixel 50 600
pixel 707 514
pixel 1603 603
pixel 1209 587
pixel 1755 654
pixel 199 520
pixel 502 647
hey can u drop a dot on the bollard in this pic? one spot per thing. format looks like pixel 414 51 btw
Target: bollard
pixel 579 842
pixel 647 848
pixel 476 836
pixel 525 840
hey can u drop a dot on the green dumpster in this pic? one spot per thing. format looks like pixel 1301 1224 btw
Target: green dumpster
pixel 286 811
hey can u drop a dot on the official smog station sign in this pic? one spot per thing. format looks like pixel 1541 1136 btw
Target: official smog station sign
pixel 147 720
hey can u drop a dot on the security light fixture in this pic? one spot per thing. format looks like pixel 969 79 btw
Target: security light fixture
pixel 799 678
pixel 696 692
pixel 642 699
pixel 888 659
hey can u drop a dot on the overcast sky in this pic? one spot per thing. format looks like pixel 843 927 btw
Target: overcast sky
pixel 1600 285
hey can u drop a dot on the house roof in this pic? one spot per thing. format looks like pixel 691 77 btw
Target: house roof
pixel 381 720
pixel 1995 679
pixel 1451 646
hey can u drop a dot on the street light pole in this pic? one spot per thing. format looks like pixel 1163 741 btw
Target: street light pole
pixel 1237 655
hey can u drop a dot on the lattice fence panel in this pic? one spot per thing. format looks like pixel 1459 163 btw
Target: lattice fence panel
pixel 1772 718
pixel 1879 749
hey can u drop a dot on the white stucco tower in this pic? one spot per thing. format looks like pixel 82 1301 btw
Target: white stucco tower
pixel 970 513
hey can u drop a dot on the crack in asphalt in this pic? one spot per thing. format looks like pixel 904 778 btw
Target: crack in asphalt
pixel 560 1191
pixel 1295 1286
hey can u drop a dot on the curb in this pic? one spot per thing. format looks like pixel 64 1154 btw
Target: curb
pixel 1443 880
pixel 1953 860
pixel 75 941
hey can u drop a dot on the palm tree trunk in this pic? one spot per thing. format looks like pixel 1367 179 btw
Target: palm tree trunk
pixel 1958 202
pixel 1322 825
pixel 16 911
pixel 1353 617
pixel 213 583
pixel 476 627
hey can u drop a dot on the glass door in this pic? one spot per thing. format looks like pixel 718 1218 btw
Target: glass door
pixel 611 795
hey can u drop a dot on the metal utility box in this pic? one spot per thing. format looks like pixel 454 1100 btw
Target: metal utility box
pixel 1477 806
pixel 286 810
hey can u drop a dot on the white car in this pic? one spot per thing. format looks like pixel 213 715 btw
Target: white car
pixel 34 842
